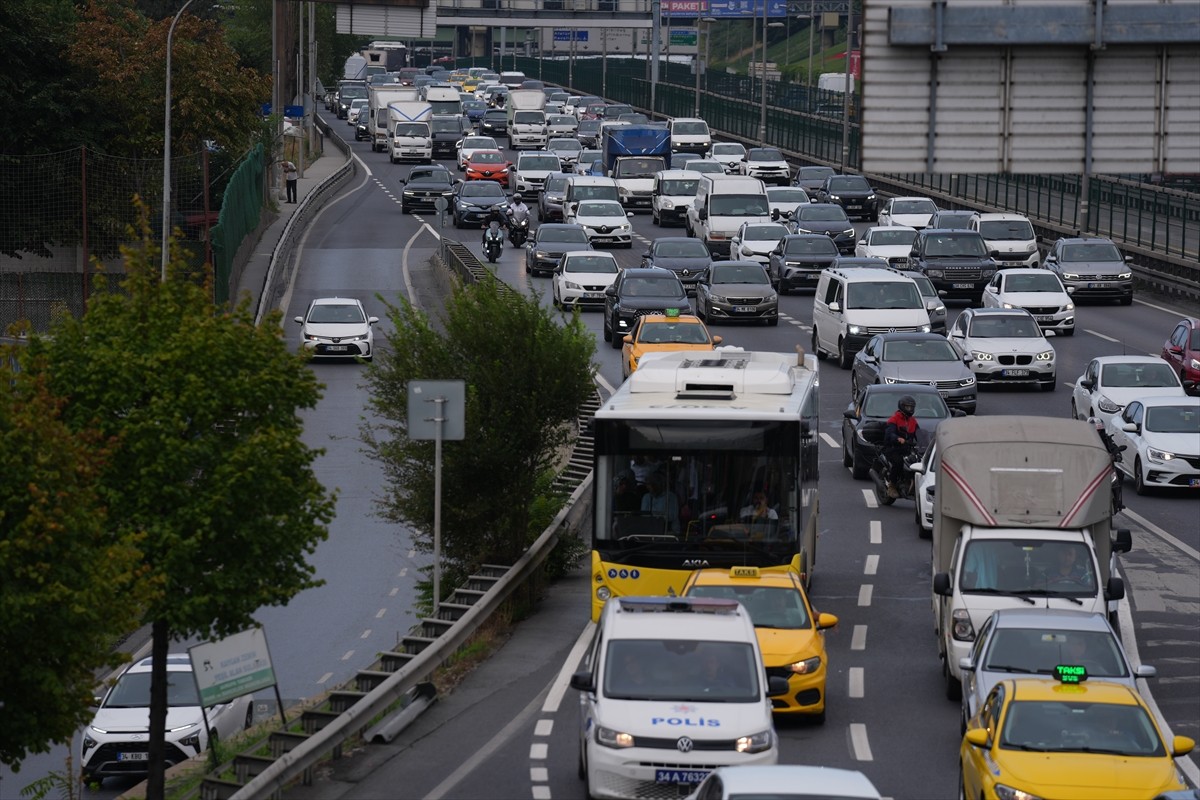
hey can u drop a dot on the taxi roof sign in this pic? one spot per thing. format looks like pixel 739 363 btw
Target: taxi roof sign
pixel 744 572
pixel 671 312
pixel 1070 673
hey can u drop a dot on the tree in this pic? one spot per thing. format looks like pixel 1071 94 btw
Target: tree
pixel 249 33
pixel 62 566
pixel 208 465
pixel 526 375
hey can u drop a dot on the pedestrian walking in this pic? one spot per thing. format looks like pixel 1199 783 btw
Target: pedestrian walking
pixel 290 174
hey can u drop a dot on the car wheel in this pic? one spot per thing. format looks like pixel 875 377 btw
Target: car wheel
pixel 582 770
pixel 1068 331
pixel 1050 385
pixel 541 216
pixel 953 686
pixel 606 330
pixel 458 223
pixel 853 385
pixel 616 340
pixel 1139 480
pixel 858 470
pixel 844 357
pixel 917 517
pixel 655 218
pixel 816 347
pixel 1074 410
pixel 249 716
pixel 1127 301
pixel 847 456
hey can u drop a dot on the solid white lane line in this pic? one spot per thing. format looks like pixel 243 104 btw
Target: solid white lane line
pixel 872 565
pixel 406 273
pixel 608 387
pixel 829 440
pixel 538 751
pixel 864 594
pixel 869 497
pixel 858 640
pixel 858 741
pixel 563 680
pixel 430 228
pixel 856 682
pixel 1099 335
pixel 543 727
pixel 1159 532
pixel 876 531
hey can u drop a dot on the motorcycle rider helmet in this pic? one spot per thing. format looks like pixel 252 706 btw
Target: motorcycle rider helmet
pixel 517 198
pixel 1097 423
pixel 907 404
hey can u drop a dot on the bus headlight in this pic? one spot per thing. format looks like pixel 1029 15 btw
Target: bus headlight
pixel 603 593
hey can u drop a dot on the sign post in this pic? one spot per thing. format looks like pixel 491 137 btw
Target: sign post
pixel 447 423
pixel 231 667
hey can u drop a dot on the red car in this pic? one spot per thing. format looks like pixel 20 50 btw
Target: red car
pixel 594 111
pixel 488 165
pixel 1182 351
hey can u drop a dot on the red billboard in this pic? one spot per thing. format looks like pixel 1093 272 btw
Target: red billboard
pixel 684 7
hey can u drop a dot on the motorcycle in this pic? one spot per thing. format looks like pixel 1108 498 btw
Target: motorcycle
pixel 1114 452
pixel 913 452
pixel 518 231
pixel 493 242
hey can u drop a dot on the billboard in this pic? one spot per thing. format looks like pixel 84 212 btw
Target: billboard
pixel 234 666
pixel 725 9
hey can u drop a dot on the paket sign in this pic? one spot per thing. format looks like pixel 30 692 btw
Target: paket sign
pixel 232 667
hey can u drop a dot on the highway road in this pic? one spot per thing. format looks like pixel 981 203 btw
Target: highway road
pixel 516 738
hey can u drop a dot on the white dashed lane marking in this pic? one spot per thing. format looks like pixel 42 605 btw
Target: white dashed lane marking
pixel 876 530
pixel 872 565
pixel 829 440
pixel 859 743
pixel 858 640
pixel 864 594
pixel 856 682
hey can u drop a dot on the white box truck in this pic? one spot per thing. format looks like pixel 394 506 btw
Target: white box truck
pixel 526 119
pixel 1022 519
pixel 380 96
pixel 409 134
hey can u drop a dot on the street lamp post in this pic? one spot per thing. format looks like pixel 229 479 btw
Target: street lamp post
pixel 166 190
pixel 812 23
pixel 707 32
pixel 762 116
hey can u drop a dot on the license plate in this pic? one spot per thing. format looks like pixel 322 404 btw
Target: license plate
pixel 1097 285
pixel 133 756
pixel 1016 373
pixel 963 285
pixel 1044 319
pixel 745 309
pixel 592 295
pixel 680 775
pixel 854 206
pixel 336 348
pixel 1194 482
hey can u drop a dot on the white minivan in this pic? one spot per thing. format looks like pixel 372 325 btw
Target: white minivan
pixel 852 304
pixel 674 192
pixel 670 688
pixel 723 203
pixel 689 135
pixel 1011 236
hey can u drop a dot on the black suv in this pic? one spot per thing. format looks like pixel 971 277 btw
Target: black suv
pixel 639 291
pixel 851 192
pixel 799 259
pixel 494 123
pixel 424 186
pixel 957 262
pixel 447 132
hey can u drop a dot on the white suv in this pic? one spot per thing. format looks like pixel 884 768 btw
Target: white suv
pixel 1006 347
pixel 1010 235
pixel 670 688
pixel 532 171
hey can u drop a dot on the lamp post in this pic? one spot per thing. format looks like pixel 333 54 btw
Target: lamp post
pixel 812 23
pixel 762 115
pixel 705 22
pixel 166 190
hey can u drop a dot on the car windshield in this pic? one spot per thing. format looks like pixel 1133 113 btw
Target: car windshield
pixel 1019 230
pixel 739 273
pixel 729 150
pixel 441 107
pixel 672 333
pixel 924 350
pixel 494 115
pixel 638 167
pixel 443 125
pixel 913 207
pixel 529 117
pixel 412 129
pixel 1137 375
pixel 970 245
pixel 765 233
pixel 815 173
pixel 823 213
pixel 764 154
pixel 890 238
pixel 1004 326
pixel 680 187
pixel 598 209
pixel 540 162
pixel 1032 282
pixel 556 183
pixel 884 294
pixel 336 313
pixel 681 670
pixel 1028 566
pixel 474 105
pixel 1092 251
pixel 1040 650
pixel 849 183
pixel 479 143
pixel 1173 419
pixel 565 234
pixel 738 205
pixel 1059 726
pixel 769 607
pixel 482 189
pixel 689 248
pixel 561 119
pixel 487 157
pixel 600 263
pixel 785 195
pixel 690 128
pixel 589 125
pixel 953 221
pixel 706 166
pixel 654 287
pixel 924 285
pixel 929 405
pixel 133 691
pixel 615 111
pixel 565 145
pixel 817 245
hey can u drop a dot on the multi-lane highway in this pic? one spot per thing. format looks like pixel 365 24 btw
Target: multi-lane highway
pixel 516 738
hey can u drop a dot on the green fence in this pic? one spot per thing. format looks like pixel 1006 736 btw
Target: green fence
pixel 241 209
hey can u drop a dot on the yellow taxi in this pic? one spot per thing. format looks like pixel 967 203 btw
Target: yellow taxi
pixel 660 333
pixel 470 84
pixel 790 633
pixel 1063 738
pixel 458 76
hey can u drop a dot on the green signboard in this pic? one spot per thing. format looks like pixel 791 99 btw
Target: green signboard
pixel 683 37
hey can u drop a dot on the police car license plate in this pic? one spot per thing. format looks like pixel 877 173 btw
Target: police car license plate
pixel 680 775
pixel 745 309
pixel 963 286
pixel 1016 373
pixel 336 348
pixel 133 756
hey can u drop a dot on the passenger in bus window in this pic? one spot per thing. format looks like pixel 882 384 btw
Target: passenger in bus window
pixel 626 499
pixel 661 502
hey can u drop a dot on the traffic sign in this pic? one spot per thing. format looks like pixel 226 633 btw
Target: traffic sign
pixel 564 35
pixel 683 37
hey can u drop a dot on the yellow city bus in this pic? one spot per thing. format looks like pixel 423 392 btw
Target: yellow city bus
pixel 705 460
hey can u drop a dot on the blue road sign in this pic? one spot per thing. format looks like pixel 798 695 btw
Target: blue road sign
pixel 744 9
pixel 564 35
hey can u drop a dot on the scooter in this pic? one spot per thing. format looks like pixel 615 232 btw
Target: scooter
pixel 914 451
pixel 493 242
pixel 518 231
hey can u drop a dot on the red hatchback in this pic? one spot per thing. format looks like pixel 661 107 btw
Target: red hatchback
pixel 1182 351
pixel 487 165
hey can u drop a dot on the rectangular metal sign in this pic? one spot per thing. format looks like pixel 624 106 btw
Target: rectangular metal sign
pixel 683 37
pixel 743 9
pixel 564 35
pixel 234 666
pixel 437 403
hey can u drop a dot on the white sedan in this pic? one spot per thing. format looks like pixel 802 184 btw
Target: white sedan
pixel 1038 291
pixel 1110 382
pixel 581 278
pixel 337 327
pixel 730 155
pixel 913 212
pixel 1161 436
pixel 754 241
pixel 605 221
pixel 473 144
pixel 786 199
pixel 785 782
pixel 891 243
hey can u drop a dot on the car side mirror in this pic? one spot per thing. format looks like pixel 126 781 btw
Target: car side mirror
pixel 646 254
pixel 1128 259
pixel 835 306
pixel 957 412
pixel 967 359
pixel 1070 290
pixel 1051 259
pixel 775 214
pixel 582 681
pixel 1088 384
pixel 966 664
pixel 702 213
pixel 717 340
pixel 627 338
pixel 298 319
pixel 941 584
pixel 1122 540
pixel 372 320
pixel 1131 427
pixel 610 291
pixel 826 621
pixel 850 413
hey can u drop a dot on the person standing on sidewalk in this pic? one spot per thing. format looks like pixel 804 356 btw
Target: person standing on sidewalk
pixel 290 174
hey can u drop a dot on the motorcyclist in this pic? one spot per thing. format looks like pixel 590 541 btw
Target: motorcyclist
pixel 517 210
pixel 1114 452
pixel 901 429
pixel 497 216
pixel 493 229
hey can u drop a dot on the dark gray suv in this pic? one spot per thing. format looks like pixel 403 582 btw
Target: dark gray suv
pixel 957 262
pixel 1092 269
pixel 639 291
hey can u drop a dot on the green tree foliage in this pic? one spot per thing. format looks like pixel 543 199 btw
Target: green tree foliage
pixel 526 376
pixel 208 464
pixel 249 33
pixel 35 77
pixel 69 581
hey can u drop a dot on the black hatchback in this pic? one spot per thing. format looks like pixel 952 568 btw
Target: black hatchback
pixel 494 123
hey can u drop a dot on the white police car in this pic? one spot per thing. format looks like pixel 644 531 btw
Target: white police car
pixel 670 688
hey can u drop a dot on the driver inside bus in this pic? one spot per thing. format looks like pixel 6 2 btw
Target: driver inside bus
pixel 659 501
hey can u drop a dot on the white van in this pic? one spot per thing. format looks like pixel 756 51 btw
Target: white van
pixel 723 203
pixel 674 191
pixel 587 187
pixel 1010 235
pixel 852 304
pixel 445 101
pixel 670 688
pixel 690 135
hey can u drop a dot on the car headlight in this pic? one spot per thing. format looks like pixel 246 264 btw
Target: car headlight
pixel 802 229
pixel 982 356
pixel 1194 364
pixel 940 311
pixel 1069 307
pixel 1008 305
pixel 963 630
pixel 610 738
pixel 603 593
pixel 1125 276
pixel 848 232
pixel 806 667
pixel 933 273
pixel 718 298
pixel 967 381
pixel 1108 406
pixel 855 329
pixel 755 744
pixel 926 328
pixel 834 198
pixel 409 193
pixel 890 380
pixel 1159 455
pixel 1009 793
pixel 1070 276
pixel 1045 355
pixel 1031 248
pixel 572 285
pixel 987 273
pixel 540 254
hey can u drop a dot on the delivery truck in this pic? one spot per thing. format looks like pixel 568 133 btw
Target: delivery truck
pixel 1022 519
pixel 409 134
pixel 633 155
pixel 380 96
pixel 526 119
